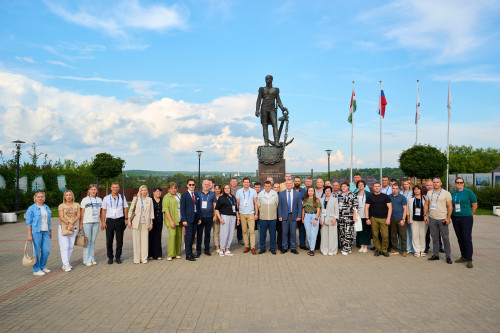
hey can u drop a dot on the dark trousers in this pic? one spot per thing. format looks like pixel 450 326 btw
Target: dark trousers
pixel 206 225
pixel 302 233
pixel 279 232
pixel 396 229
pixel 437 226
pixel 239 232
pixel 463 230
pixel 115 226
pixel 154 244
pixel 264 225
pixel 428 240
pixel 289 227
pixel 318 239
pixel 188 240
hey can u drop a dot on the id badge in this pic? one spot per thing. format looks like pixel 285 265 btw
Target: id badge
pixel 340 205
pixel 245 203
pixel 418 211
pixel 360 206
pixel 95 212
pixel 457 208
pixel 204 204
pixel 433 206
pixel 324 213
pixel 112 211
pixel 234 209
pixel 143 217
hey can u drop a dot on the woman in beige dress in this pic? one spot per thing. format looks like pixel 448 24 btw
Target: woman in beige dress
pixel 140 220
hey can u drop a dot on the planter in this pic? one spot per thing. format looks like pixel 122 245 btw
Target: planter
pixel 9 217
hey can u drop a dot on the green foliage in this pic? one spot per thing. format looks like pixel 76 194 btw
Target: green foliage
pixel 487 196
pixel 466 159
pixel 423 161
pixel 104 166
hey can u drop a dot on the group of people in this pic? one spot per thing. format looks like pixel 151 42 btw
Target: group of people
pixel 395 220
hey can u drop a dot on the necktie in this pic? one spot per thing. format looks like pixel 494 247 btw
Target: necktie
pixel 192 196
pixel 289 203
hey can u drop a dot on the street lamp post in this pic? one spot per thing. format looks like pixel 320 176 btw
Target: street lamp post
pixel 328 151
pixel 18 154
pixel 199 164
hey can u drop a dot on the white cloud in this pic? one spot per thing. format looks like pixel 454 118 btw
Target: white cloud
pixel 26 59
pixel 166 130
pixel 120 19
pixel 449 29
pixel 59 63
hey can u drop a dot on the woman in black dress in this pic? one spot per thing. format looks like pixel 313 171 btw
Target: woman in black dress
pixel 155 233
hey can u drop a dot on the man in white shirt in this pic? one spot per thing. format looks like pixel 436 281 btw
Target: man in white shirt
pixel 113 219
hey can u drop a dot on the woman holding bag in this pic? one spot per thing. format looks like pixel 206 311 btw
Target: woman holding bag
pixel 39 232
pixel 69 214
pixel 140 220
pixel 90 218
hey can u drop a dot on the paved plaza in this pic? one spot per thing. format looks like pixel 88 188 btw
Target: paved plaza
pixel 253 293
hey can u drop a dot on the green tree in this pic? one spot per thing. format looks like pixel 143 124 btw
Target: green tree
pixel 466 159
pixel 105 166
pixel 423 161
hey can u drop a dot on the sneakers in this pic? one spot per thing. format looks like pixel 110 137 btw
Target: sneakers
pixel 228 253
pixel 88 264
pixel 177 257
pixel 46 270
pixel 66 268
pixel 461 259
pixel 423 254
pixel 417 254
pixel 221 253
pixel 94 263
pixel 469 264
pixel 218 251
pixel 394 252
pixel 344 253
pixel 360 250
pixel 39 273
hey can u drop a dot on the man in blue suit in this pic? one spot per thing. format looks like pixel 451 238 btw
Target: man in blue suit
pixel 289 212
pixel 190 217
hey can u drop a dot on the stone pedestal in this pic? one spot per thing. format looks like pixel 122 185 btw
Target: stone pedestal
pixel 277 171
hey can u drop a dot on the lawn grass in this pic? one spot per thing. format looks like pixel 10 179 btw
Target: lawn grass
pixel 481 211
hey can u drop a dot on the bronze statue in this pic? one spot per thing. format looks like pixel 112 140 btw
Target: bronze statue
pixel 268 102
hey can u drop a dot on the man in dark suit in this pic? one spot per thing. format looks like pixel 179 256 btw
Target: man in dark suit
pixel 190 217
pixel 289 212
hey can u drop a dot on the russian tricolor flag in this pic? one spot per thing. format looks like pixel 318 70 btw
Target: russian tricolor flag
pixel 382 102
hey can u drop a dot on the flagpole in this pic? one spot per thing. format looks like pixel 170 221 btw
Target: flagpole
pixel 416 119
pixel 352 132
pixel 448 140
pixel 380 103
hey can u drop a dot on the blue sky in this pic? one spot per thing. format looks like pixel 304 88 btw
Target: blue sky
pixel 154 81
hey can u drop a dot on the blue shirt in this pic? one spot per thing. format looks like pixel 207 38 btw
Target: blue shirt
pixel 398 203
pixel 210 199
pixel 34 217
pixel 355 189
pixel 246 205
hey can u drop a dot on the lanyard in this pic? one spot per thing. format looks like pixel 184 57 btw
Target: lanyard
pixel 362 198
pixel 432 196
pixel 244 196
pixel 326 203
pixel 92 203
pixel 208 196
pixel 419 202
pixel 232 201
pixel 142 204
pixel 111 203
pixel 461 193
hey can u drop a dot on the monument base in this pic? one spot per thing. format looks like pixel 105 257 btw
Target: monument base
pixel 276 170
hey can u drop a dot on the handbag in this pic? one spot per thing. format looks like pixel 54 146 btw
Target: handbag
pixel 81 239
pixel 358 226
pixel 65 231
pixel 27 259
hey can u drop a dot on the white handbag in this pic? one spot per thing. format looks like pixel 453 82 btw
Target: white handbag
pixel 358 226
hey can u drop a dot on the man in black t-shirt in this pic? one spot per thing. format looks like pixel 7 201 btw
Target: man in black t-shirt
pixel 378 209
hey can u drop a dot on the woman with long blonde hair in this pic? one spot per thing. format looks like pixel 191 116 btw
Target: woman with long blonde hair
pixel 69 215
pixel 90 218
pixel 140 220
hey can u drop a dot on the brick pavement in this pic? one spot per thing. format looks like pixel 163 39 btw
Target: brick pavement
pixel 247 293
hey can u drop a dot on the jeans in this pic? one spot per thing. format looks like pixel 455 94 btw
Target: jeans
pixel 311 230
pixel 302 233
pixel 409 237
pixel 206 225
pixel 41 242
pixel 90 230
pixel 66 245
pixel 264 225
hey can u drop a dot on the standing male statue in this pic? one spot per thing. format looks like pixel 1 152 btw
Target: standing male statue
pixel 267 107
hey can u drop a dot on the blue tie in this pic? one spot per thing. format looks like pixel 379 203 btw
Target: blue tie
pixel 289 203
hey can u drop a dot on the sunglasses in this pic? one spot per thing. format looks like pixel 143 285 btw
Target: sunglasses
pixel 191 184
pixel 459 182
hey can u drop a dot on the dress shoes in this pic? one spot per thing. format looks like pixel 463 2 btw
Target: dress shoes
pixel 253 251
pixel 302 247
pixel 190 258
pixel 196 255
pixel 283 251
pixel 110 261
pixel 246 250
pixel 385 254
pixel 433 258
pixel 208 253
pixel 294 251
pixel 273 252
pixel 377 253
pixel 119 260
pixel 262 251
pixel 448 260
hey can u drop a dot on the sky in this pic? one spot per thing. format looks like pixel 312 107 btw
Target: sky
pixel 154 81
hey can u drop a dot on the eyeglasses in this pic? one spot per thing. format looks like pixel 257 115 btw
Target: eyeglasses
pixel 459 182
pixel 191 184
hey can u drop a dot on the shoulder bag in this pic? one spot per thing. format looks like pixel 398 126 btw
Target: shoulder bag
pixel 27 259
pixel 81 239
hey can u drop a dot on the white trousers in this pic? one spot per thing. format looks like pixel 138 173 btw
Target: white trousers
pixel 66 244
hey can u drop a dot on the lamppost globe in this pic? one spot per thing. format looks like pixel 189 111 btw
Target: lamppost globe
pixel 18 154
